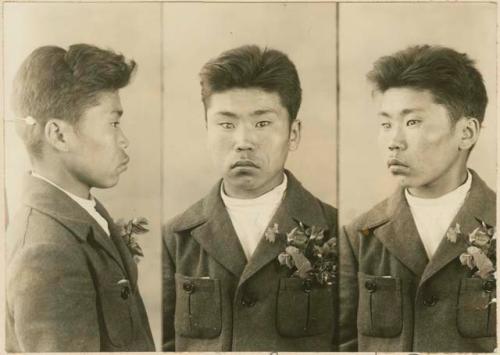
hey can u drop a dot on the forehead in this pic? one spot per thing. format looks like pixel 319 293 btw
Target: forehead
pixel 107 103
pixel 397 101
pixel 244 101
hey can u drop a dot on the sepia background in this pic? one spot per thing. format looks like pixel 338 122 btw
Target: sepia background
pixel 369 31
pixel 119 27
pixel 197 32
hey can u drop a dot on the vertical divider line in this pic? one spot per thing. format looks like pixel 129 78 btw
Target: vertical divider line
pixel 336 290
pixel 162 166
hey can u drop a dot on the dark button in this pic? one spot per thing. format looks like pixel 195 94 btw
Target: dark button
pixel 125 292
pixel 489 285
pixel 371 286
pixel 430 301
pixel 307 286
pixel 188 287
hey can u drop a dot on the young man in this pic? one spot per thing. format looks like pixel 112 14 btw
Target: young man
pixel 224 288
pixel 71 280
pixel 417 270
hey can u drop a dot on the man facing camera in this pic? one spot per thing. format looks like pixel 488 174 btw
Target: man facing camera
pixel 417 271
pixel 242 267
pixel 71 279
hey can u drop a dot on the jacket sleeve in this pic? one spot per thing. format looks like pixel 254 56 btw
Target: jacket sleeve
pixel 348 294
pixel 168 294
pixel 52 300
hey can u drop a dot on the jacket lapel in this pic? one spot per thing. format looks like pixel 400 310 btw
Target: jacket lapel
pixel 479 205
pixel 50 200
pixel 298 206
pixel 217 235
pixel 119 243
pixel 398 232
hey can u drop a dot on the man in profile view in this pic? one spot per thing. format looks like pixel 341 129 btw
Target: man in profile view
pixel 71 279
pixel 417 271
pixel 224 287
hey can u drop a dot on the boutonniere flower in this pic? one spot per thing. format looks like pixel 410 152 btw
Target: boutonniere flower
pixel 309 253
pixel 480 254
pixel 127 230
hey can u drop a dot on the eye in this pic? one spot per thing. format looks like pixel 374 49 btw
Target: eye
pixel 226 125
pixel 115 124
pixel 385 125
pixel 261 124
pixel 412 122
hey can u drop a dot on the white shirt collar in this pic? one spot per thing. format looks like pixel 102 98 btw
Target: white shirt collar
pixel 457 195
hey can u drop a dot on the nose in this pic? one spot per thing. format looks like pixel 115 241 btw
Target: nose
pixel 397 140
pixel 123 140
pixel 243 138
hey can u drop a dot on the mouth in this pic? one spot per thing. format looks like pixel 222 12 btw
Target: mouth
pixel 123 165
pixel 244 164
pixel 397 166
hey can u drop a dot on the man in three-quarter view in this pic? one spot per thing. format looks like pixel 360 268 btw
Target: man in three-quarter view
pixel 251 266
pixel 417 271
pixel 71 280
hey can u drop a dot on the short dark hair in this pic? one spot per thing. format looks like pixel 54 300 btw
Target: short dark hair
pixel 56 83
pixel 251 67
pixel 449 75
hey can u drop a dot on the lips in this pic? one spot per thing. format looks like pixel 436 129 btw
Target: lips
pixel 396 163
pixel 244 164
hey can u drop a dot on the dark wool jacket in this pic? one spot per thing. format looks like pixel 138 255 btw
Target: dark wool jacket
pixel 62 280
pixel 215 301
pixel 392 298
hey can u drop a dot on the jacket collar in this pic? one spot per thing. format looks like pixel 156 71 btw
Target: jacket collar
pixel 392 223
pixel 211 226
pixel 49 200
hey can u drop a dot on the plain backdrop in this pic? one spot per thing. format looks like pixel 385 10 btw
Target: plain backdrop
pixel 369 31
pixel 120 27
pixel 197 32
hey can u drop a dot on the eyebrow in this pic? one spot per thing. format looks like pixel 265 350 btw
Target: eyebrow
pixel 404 112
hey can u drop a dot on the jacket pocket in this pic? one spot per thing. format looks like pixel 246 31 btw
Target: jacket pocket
pixel 380 312
pixel 115 303
pixel 303 309
pixel 476 314
pixel 197 307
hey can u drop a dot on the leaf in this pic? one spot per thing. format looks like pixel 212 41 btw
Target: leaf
pixel 140 225
pixel 297 238
pixel 453 233
pixel 301 263
pixel 271 232
pixel 468 260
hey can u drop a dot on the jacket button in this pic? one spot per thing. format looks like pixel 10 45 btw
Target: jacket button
pixel 125 292
pixel 371 286
pixel 307 286
pixel 430 301
pixel 489 285
pixel 188 287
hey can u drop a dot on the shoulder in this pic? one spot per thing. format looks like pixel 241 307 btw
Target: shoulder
pixel 370 219
pixel 187 220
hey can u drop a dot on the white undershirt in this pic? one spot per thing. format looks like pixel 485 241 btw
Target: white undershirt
pixel 433 216
pixel 251 217
pixel 87 204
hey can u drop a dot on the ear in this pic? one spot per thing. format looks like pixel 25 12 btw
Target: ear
pixel 294 139
pixel 57 133
pixel 468 134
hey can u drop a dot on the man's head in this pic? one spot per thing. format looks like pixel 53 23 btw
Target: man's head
pixel 432 101
pixel 251 98
pixel 72 96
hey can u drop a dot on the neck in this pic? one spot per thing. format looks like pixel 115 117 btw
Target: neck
pixel 62 178
pixel 442 186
